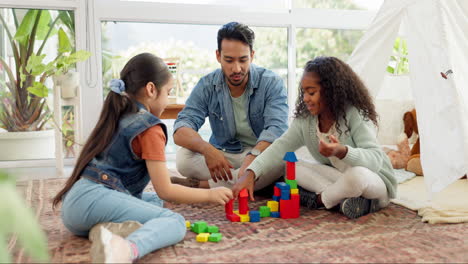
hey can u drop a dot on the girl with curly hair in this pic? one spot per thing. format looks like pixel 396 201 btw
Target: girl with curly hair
pixel 335 119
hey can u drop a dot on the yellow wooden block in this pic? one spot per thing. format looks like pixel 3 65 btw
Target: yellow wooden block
pixel 273 205
pixel 187 224
pixel 244 218
pixel 294 191
pixel 203 237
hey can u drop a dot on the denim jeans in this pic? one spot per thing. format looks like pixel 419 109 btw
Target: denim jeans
pixel 89 203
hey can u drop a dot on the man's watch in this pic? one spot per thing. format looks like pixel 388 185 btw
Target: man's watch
pixel 254 152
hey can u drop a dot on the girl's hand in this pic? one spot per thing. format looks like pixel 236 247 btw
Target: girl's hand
pixel 334 148
pixel 246 181
pixel 220 195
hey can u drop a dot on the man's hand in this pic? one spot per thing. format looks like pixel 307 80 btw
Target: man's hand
pixel 246 181
pixel 219 166
pixel 334 148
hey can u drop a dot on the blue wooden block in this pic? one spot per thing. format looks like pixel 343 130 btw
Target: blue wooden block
pixel 275 214
pixel 255 219
pixel 276 198
pixel 254 216
pixel 290 156
pixel 285 194
pixel 283 186
pixel 254 213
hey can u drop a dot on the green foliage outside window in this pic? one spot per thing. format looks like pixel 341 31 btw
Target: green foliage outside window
pixel 399 64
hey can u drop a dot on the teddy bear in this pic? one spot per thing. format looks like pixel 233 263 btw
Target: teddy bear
pixel 399 158
pixel 406 157
pixel 411 127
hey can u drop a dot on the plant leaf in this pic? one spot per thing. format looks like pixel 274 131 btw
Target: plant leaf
pixel 390 69
pixel 64 63
pixel 35 65
pixel 64 42
pixel 39 89
pixel 68 20
pixel 23 223
pixel 4 254
pixel 44 25
pixel 24 30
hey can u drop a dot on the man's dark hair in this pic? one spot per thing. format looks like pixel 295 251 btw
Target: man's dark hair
pixel 236 31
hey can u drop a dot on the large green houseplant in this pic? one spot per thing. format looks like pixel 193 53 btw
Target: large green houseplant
pixel 23 106
pixel 24 91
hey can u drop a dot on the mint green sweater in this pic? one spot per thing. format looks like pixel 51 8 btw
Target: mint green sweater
pixel 361 140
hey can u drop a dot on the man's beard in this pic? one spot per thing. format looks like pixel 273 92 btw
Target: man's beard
pixel 241 81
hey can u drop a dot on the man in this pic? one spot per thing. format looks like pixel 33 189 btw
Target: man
pixel 247 110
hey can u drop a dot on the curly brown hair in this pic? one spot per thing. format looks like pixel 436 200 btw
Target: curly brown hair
pixel 341 89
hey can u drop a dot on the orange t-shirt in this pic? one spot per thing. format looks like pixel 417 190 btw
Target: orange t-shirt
pixel 150 144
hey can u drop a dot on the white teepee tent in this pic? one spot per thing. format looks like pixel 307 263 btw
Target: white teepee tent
pixel 437 37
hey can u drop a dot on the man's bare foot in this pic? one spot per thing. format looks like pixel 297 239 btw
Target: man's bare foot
pixel 189 182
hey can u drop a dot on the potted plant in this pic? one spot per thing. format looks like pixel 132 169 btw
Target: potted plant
pixel 23 106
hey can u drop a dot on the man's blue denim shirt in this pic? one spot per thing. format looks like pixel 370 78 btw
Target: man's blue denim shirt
pixel 267 108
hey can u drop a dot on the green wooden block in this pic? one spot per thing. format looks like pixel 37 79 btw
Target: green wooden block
pixel 215 237
pixel 200 227
pixel 192 225
pixel 264 211
pixel 212 229
pixel 291 183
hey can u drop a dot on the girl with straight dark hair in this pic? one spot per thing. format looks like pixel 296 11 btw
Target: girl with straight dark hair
pixel 104 197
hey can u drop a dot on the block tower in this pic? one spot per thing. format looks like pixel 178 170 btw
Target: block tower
pixel 285 202
pixel 241 215
pixel 286 193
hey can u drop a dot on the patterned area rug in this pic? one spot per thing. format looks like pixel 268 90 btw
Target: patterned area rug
pixel 394 234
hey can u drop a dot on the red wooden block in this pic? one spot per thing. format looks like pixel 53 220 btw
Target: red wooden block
pixel 243 205
pixel 276 191
pixel 290 170
pixel 286 209
pixel 233 217
pixel 295 204
pixel 228 207
pixel 284 204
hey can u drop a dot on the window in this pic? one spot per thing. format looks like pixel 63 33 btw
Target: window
pixel 31 39
pixel 193 46
pixel 271 4
pixel 311 43
pixel 339 4
pixel 271 49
